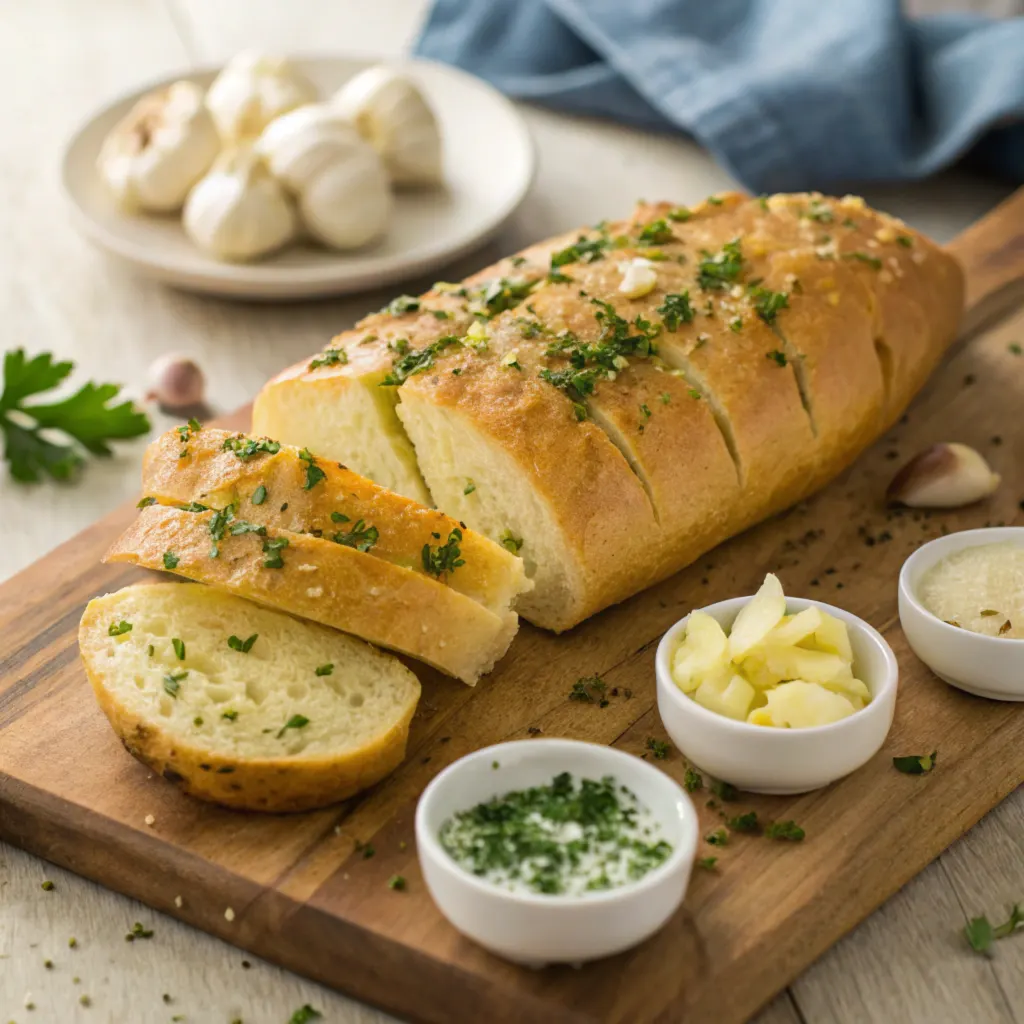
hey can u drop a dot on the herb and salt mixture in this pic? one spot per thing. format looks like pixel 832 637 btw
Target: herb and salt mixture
pixel 566 838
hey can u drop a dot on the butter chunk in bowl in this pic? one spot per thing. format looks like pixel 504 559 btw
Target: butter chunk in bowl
pixel 776 694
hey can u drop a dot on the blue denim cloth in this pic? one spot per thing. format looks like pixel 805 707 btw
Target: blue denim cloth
pixel 787 94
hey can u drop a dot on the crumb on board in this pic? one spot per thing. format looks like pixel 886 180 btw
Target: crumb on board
pixel 229 914
pixel 150 820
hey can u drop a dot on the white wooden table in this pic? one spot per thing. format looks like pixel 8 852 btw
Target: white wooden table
pixel 59 59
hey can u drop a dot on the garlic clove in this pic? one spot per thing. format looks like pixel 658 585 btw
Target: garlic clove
pixel 339 180
pixel 176 382
pixel 946 475
pixel 239 211
pixel 160 149
pixel 251 90
pixel 391 113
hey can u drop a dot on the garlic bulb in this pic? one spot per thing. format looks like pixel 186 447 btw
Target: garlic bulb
pixel 943 476
pixel 156 153
pixel 337 178
pixel 253 89
pixel 639 278
pixel 176 382
pixel 391 113
pixel 239 211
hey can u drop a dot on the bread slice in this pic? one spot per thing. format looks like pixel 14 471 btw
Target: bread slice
pixel 241 705
pixel 288 488
pixel 334 584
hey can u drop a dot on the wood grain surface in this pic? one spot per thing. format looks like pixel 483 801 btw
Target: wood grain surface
pixel 295 890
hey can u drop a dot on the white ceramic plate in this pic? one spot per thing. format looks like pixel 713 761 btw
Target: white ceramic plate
pixel 488 166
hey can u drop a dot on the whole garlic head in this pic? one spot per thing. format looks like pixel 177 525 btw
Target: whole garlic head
pixel 239 211
pixel 390 112
pixel 160 149
pixel 338 180
pixel 251 90
pixel 943 476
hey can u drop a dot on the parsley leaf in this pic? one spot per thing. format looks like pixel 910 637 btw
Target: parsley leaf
pixel 717 271
pixel 692 781
pixel 245 646
pixel 657 232
pixel 170 560
pixel 329 357
pixel 396 882
pixel 583 250
pixel 172 682
pixel 414 361
pixel 272 548
pixel 768 303
pixel 981 933
pixel 179 648
pixel 446 558
pixel 779 358
pixel 915 764
pixel 246 448
pixel 259 495
pixel 314 474
pixel 119 628
pixel 324 670
pixel 743 822
pixel 511 542
pixel 361 537
pixel 676 310
pixel 589 690
pixel 680 215
pixel 85 418
pixel 872 261
pixel 707 863
pixel 717 838
pixel 659 748
pixel 305 1014
pixel 784 830
pixel 295 722
pixel 505 293
pixel 403 304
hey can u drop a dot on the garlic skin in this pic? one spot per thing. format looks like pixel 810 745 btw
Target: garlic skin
pixel 946 475
pixel 639 278
pixel 176 382
pixel 239 211
pixel 159 150
pixel 391 113
pixel 338 180
pixel 251 90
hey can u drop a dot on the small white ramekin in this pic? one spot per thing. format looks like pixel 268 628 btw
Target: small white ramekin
pixel 984 665
pixel 762 759
pixel 537 929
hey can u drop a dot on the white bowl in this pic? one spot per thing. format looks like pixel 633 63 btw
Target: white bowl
pixel 488 168
pixel 535 929
pixel 984 665
pixel 763 759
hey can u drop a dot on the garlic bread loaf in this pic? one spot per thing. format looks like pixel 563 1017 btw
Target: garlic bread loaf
pixel 625 398
pixel 327 582
pixel 242 705
pixel 283 487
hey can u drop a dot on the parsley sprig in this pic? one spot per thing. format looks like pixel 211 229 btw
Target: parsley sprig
pixel 718 271
pixel 84 422
pixel 981 933
pixel 446 557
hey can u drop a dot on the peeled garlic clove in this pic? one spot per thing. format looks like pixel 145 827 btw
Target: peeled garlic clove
pixel 945 475
pixel 639 278
pixel 251 90
pixel 176 382
pixel 391 113
pixel 338 179
pixel 239 211
pixel 156 153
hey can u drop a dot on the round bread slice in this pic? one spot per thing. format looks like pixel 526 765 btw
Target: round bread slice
pixel 242 705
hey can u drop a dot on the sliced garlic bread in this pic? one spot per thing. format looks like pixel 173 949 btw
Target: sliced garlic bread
pixel 334 584
pixel 280 486
pixel 242 705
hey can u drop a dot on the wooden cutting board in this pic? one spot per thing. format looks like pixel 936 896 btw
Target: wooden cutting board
pixel 300 894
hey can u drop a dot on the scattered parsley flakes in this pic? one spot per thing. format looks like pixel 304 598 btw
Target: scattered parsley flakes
pixel 743 822
pixel 768 303
pixel 778 357
pixel 245 646
pixel 707 863
pixel 717 838
pixel 736 325
pixel 329 357
pixel 583 250
pixel 403 304
pixel 980 932
pixel 361 537
pixel 680 215
pixel 272 548
pixel 818 211
pixel 589 690
pixel 47 886
pixel 230 714
pixel 445 559
pixel 259 495
pixel 788 830
pixel 714 201
pixel 304 1014
pixel 511 542
pixel 138 932
pixel 246 448
pixel 170 560
pixel 1015 349
pixel 172 682
pixel 657 232
pixel 324 670
pixel 397 882
pixel 314 474
pixel 915 764
pixel 717 271
pixel 905 240
pixel 659 748
pixel 676 310
pixel 725 791
pixel 414 361
pixel 119 628
pixel 665 398
pixel 295 722
pixel 145 502
pixel 872 261
pixel 692 781
pixel 469 488
pixel 179 648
